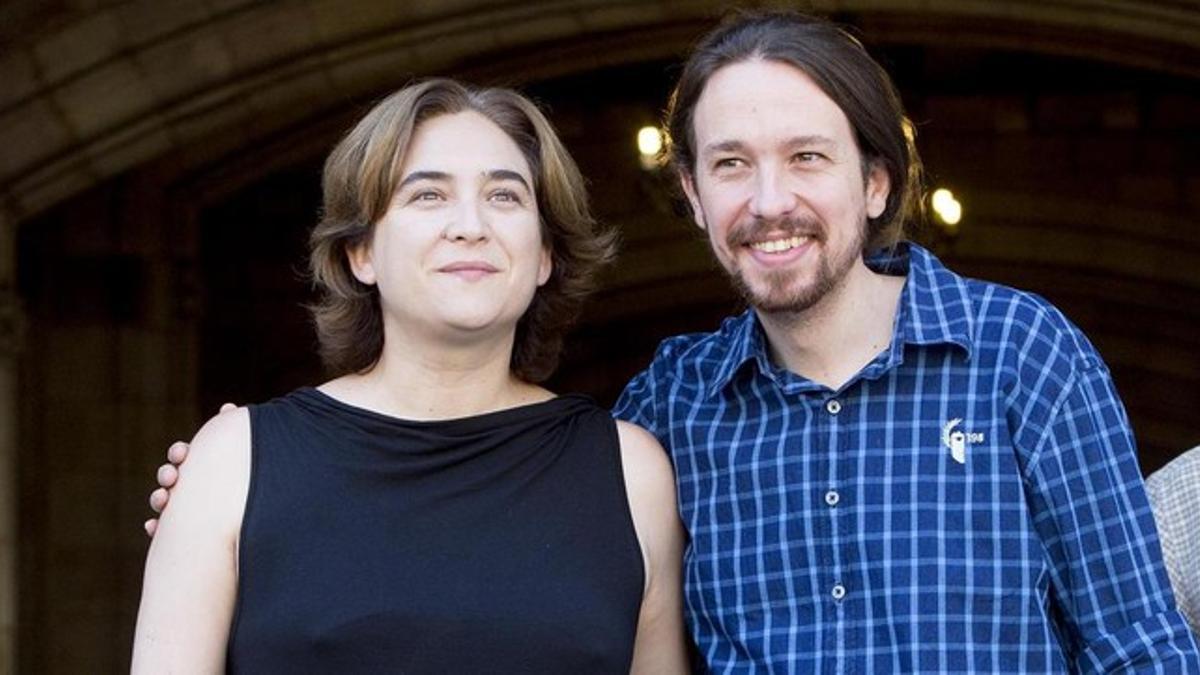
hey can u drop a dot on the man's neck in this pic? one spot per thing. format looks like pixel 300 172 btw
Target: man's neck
pixel 831 341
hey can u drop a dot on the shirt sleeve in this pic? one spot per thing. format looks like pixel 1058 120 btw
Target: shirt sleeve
pixel 636 403
pixel 642 400
pixel 1109 588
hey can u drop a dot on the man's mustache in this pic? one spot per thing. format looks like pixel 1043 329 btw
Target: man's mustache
pixel 757 229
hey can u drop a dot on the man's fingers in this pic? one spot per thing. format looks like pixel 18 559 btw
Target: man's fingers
pixel 177 453
pixel 167 475
pixel 158 500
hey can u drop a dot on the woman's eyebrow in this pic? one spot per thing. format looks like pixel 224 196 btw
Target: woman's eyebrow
pixel 507 174
pixel 423 175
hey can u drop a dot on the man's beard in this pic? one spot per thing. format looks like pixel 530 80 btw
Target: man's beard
pixel 782 295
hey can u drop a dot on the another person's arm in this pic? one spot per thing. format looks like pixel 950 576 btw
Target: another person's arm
pixel 650 484
pixel 190 583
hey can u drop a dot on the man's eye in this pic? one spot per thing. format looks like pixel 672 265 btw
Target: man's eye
pixel 728 163
pixel 809 156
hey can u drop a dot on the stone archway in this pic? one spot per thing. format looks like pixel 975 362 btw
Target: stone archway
pixel 114 87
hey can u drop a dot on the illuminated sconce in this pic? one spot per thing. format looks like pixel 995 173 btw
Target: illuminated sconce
pixel 650 145
pixel 947 209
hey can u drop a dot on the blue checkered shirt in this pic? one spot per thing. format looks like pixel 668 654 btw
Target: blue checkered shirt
pixel 969 501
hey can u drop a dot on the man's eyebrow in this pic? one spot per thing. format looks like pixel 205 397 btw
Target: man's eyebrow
pixel 739 146
pixel 507 174
pixel 422 175
pixel 811 139
pixel 723 146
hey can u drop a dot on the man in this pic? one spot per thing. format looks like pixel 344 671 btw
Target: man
pixel 882 466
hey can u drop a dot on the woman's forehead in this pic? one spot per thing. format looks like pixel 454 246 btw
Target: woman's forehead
pixel 464 145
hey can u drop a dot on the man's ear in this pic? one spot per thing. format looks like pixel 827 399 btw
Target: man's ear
pixel 361 264
pixel 879 185
pixel 689 190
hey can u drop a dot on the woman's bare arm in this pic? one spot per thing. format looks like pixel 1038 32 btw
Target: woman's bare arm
pixel 650 483
pixel 190 582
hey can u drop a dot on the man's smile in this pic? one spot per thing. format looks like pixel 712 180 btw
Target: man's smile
pixel 780 245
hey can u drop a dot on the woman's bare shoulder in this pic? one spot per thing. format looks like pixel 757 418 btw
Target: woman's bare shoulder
pixel 214 479
pixel 643 456
pixel 649 481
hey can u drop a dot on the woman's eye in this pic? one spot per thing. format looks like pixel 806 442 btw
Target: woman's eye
pixel 506 196
pixel 426 196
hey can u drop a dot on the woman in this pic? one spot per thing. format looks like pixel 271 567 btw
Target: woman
pixel 431 509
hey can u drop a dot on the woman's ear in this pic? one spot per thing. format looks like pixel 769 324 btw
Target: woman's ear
pixel 545 266
pixel 361 264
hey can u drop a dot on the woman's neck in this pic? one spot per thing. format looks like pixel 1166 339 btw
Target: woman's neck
pixel 438 380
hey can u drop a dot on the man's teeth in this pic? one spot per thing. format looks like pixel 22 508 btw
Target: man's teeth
pixel 779 245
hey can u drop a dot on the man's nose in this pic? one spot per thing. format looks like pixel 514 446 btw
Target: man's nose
pixel 773 197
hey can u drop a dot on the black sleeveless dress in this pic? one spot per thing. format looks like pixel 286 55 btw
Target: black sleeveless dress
pixel 500 543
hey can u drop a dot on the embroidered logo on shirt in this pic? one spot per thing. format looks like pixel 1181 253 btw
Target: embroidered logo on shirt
pixel 957 440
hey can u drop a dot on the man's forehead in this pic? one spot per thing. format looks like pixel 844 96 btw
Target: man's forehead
pixel 766 75
pixel 758 101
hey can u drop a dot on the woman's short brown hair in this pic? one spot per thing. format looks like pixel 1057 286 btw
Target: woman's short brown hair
pixel 360 178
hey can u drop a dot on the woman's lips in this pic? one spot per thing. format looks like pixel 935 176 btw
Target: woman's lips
pixel 469 270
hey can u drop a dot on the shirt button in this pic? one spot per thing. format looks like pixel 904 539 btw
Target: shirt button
pixel 832 498
pixel 838 592
pixel 834 406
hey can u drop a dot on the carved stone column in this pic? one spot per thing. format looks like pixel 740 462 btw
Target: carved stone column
pixel 11 329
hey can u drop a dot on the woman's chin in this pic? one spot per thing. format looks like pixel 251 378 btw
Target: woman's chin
pixel 478 324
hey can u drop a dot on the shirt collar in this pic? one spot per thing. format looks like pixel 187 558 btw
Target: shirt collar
pixel 934 310
pixel 744 341
pixel 936 305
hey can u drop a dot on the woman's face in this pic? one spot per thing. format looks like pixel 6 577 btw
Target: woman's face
pixel 458 255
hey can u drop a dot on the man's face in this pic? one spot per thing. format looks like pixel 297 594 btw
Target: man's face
pixel 778 184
